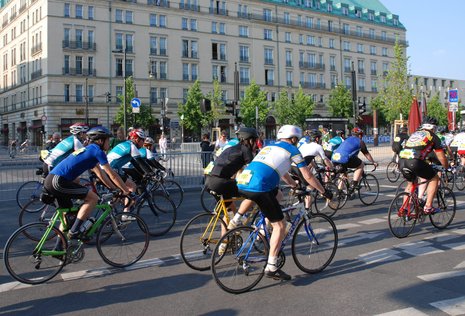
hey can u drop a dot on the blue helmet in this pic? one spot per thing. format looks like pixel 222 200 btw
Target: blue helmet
pixel 98 132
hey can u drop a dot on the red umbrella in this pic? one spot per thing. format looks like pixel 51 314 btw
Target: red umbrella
pixel 414 116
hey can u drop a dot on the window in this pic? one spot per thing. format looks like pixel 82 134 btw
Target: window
pixel 359 31
pixel 184 23
pixel 78 38
pixel 90 93
pixel 129 17
pixel 310 40
pixel 218 51
pixel 268 55
pixel 215 72
pixel 383 19
pixel 153 45
pixel 373 68
pixel 66 65
pixel 345 11
pixel 287 18
pixel 287 37
pixel 90 65
pixel 383 35
pixel 332 63
pixel 79 93
pixel 66 92
pixel 90 12
pixel 67 12
pixel 193 25
pixel 346 46
pixel 289 78
pixel 288 58
pixel 118 16
pixel 371 33
pixel 361 66
pixel 331 43
pixel 153 19
pixel 243 53
pixel 244 75
pixel 189 49
pixel 345 28
pixel 301 39
pixel 372 50
pixel 90 38
pixel 359 48
pixel 163 70
pixel 79 10
pixel 374 85
pixel 119 41
pixel 185 72
pixel 269 77
pixel 243 31
pixel 222 28
pixel 162 21
pixel 215 27
pixel 309 22
pixel 347 67
pixel 384 51
pixel 129 67
pixel 330 26
pixel 267 16
pixel 194 72
pixel 78 65
pixel 129 39
pixel 268 34
pixel 371 16
pixel 333 81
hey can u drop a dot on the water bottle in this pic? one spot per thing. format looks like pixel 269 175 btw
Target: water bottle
pixel 87 225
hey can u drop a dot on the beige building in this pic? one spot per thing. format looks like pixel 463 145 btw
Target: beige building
pixel 59 58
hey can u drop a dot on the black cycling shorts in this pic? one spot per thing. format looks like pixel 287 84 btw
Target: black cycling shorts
pixel 267 203
pixel 419 167
pixel 64 190
pixel 225 187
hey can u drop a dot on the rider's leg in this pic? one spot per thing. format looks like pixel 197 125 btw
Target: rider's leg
pixel 431 191
pixel 90 201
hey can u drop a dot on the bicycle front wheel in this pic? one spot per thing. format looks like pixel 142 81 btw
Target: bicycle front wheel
pixel 460 179
pixel 123 240
pixel 325 206
pixel 207 200
pixel 392 171
pixel 239 259
pixel 402 186
pixel 199 238
pixel 368 189
pixel 446 203
pixel 401 215
pixel 44 215
pixel 30 191
pixel 158 212
pixel 29 265
pixel 314 243
pixel 174 192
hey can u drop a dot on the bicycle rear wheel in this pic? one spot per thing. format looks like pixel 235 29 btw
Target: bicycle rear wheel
pixel 207 200
pixel 343 191
pixel 44 215
pixel 238 265
pixel 199 238
pixel 25 264
pixel 314 243
pixel 30 191
pixel 158 212
pixel 446 203
pixel 401 221
pixel 392 172
pixel 460 179
pixel 175 192
pixel 368 189
pixel 402 186
pixel 122 241
pixel 323 206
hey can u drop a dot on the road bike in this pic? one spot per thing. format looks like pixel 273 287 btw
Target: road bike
pixel 392 171
pixel 30 191
pixel 37 252
pixel 239 265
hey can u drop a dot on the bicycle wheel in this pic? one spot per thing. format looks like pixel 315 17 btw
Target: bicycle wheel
pixel 323 206
pixel 392 172
pixel 127 243
pixel 30 191
pixel 158 212
pixel 199 238
pixel 314 243
pixel 400 222
pixel 402 186
pixel 343 190
pixel 25 264
pixel 238 266
pixel 207 200
pixel 368 189
pixel 445 201
pixel 448 178
pixel 44 215
pixel 174 192
pixel 460 180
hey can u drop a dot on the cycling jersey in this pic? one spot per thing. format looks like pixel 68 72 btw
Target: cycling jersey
pixel 349 148
pixel 311 150
pixel 420 144
pixel 79 161
pixel 333 144
pixel 63 150
pixel 230 143
pixel 231 160
pixel 122 154
pixel 268 166
pixel 303 140
pixel 399 142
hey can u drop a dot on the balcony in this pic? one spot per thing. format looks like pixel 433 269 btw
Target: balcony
pixel 159 3
pixel 79 45
pixel 163 76
pixel 79 72
pixel 153 51
pixel 313 85
pixel 347 69
pixel 289 83
pixel 244 59
pixel 269 61
pixel 311 65
pixel 361 71
pixel 191 7
pixel 36 74
pixel 374 72
pixel 218 11
pixel 269 82
pixel 36 49
pixel 332 68
pixel 288 63
pixel 245 81
pixel 163 52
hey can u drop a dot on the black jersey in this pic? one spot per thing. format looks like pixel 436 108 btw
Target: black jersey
pixel 231 160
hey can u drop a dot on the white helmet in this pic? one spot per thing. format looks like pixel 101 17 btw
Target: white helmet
pixel 77 128
pixel 289 131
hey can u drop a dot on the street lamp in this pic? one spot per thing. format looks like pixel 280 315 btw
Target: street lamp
pixel 125 122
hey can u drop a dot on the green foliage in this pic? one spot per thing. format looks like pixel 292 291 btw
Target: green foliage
pixel 254 97
pixel 340 102
pixel 217 104
pixel 437 110
pixel 293 111
pixel 192 118
pixel 377 104
pixel 396 94
pixel 143 119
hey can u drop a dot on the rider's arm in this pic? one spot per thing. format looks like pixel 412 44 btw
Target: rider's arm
pixel 442 158
pixel 115 178
pixel 141 165
pixel 364 150
pixel 104 178
pixel 310 178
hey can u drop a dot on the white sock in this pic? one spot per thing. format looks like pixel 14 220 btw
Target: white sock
pixel 237 218
pixel 272 264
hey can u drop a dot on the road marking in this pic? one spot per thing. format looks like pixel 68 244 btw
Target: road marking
pixel 381 255
pixel 363 236
pixel 441 275
pixel 404 312
pixel 346 226
pixel 455 306
pixel 419 248
pixel 372 221
pixel 460 266
pixel 388 186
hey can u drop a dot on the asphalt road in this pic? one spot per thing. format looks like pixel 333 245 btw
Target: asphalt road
pixel 372 273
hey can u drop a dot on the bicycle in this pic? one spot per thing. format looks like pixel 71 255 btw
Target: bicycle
pixel 392 172
pixel 30 191
pixel 406 209
pixel 207 200
pixel 31 254
pixel 446 179
pixel 460 178
pixel 203 231
pixel 168 187
pixel 241 266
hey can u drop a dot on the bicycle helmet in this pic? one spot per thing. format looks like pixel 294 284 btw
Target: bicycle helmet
pixel 429 123
pixel 314 134
pixel 99 132
pixel 357 131
pixel 340 132
pixel 289 131
pixel 149 141
pixel 247 133
pixel 77 128
pixel 442 129
pixel 137 133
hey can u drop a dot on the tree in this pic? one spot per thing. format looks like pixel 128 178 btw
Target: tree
pixel 192 118
pixel 143 119
pixel 437 110
pixel 377 104
pixel 253 98
pixel 293 111
pixel 217 103
pixel 340 102
pixel 396 94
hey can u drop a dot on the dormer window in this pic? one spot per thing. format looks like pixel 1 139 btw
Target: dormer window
pixel 345 11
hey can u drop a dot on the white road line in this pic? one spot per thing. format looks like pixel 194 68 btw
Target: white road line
pixel 420 248
pixel 455 306
pixel 380 255
pixel 441 275
pixel 372 221
pixel 404 312
pixel 346 226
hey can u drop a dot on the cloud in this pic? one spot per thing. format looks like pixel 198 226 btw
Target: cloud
pixel 439 52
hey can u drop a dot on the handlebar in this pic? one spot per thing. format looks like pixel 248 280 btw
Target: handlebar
pixel 369 163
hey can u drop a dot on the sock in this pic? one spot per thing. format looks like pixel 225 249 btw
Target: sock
pixel 271 266
pixel 75 229
pixel 237 218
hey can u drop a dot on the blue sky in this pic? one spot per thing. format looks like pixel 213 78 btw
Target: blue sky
pixel 436 45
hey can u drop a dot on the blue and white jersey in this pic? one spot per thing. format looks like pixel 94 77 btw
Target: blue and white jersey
pixel 122 154
pixel 303 140
pixel 348 149
pixel 63 150
pixel 268 166
pixel 333 143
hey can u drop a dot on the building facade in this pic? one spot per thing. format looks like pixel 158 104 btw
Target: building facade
pixel 62 61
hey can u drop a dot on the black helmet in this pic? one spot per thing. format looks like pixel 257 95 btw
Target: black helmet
pixel 99 132
pixel 314 134
pixel 442 129
pixel 247 133
pixel 429 120
pixel 340 132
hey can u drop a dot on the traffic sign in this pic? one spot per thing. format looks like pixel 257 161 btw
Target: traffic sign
pixel 135 103
pixel 453 106
pixel 44 118
pixel 453 95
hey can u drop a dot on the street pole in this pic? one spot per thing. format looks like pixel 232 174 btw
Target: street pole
pixel 87 104
pixel 354 94
pixel 125 122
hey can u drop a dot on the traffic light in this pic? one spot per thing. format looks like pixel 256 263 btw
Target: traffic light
pixel 230 107
pixel 42 129
pixel 205 105
pixel 108 97
pixel 362 107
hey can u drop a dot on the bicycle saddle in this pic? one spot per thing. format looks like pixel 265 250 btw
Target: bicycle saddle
pixel 46 197
pixel 408 174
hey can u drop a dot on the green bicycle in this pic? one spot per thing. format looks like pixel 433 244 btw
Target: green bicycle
pixel 37 252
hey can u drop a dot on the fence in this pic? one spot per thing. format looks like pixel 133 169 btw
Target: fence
pixel 187 167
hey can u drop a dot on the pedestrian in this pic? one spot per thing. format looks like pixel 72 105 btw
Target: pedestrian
pixel 221 141
pixel 14 142
pixel 118 139
pixel 207 150
pixel 56 139
pixel 163 144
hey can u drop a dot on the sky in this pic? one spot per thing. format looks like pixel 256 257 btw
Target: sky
pixel 436 46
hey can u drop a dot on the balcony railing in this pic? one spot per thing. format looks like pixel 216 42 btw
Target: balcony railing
pixel 218 11
pixel 188 6
pixel 159 3
pixel 244 81
pixel 313 85
pixel 36 74
pixel 36 49
pixel 244 59
pixel 79 71
pixel 288 63
pixel 79 45
pixel 373 72
pixel 311 65
pixel 268 61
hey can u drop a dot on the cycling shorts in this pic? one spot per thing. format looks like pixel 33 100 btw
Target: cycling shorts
pixel 221 186
pixel 267 203
pixel 419 167
pixel 353 163
pixel 64 190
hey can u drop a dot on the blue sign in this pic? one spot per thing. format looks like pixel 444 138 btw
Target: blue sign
pixel 453 95
pixel 135 103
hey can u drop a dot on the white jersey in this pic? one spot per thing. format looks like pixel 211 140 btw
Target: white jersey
pixel 312 149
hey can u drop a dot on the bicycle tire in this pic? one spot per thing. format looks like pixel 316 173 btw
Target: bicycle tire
pixel 460 180
pixel 322 205
pixel 447 204
pixel 314 243
pixel 343 188
pixel 392 172
pixel 127 243
pixel 242 264
pixel 448 178
pixel 368 191
pixel 402 186
pixel 401 224
pixel 199 239
pixel 30 191
pixel 207 200
pixel 174 192
pixel 43 216
pixel 29 268
pixel 158 213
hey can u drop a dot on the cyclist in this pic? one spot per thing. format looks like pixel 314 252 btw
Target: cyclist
pixel 312 149
pixel 446 140
pixel 412 162
pixel 66 146
pixel 260 180
pixel 334 143
pixel 346 156
pixel 399 142
pixel 60 181
pixel 147 152
pixel 458 147
pixel 305 139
